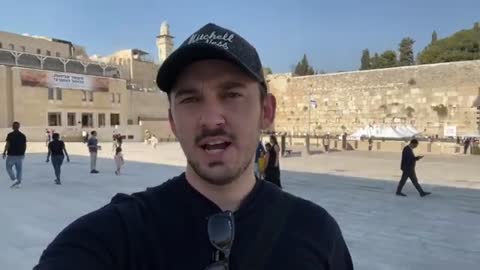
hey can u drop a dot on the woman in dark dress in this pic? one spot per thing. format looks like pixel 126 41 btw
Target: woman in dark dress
pixel 272 171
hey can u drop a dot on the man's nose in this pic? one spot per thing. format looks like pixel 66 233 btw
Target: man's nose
pixel 212 115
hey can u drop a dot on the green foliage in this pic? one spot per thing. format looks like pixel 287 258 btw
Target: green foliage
pixel 267 71
pixel 434 37
pixel 442 110
pixel 365 61
pixel 303 68
pixel 388 59
pixel 463 45
pixel 406 52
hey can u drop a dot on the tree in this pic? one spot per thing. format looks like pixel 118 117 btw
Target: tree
pixel 388 59
pixel 406 52
pixel 461 46
pixel 267 71
pixel 303 68
pixel 375 61
pixel 365 61
pixel 434 37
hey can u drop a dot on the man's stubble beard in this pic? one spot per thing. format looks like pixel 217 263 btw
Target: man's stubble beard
pixel 231 175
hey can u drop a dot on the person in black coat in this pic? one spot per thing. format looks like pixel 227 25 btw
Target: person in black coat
pixel 408 168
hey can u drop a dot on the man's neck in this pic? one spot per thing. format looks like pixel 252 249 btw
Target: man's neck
pixel 227 197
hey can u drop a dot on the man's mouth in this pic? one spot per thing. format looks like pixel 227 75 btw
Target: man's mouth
pixel 215 146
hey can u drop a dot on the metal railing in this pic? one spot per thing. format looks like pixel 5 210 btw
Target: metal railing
pixel 53 63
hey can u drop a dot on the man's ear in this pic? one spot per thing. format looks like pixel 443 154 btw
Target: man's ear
pixel 172 122
pixel 269 108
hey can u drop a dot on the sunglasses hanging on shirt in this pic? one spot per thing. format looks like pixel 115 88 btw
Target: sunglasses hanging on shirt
pixel 221 233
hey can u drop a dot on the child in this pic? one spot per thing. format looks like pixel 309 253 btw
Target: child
pixel 118 160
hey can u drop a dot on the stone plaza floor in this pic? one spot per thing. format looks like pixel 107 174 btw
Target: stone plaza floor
pixel 383 231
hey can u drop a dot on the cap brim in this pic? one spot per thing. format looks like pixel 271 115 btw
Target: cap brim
pixel 184 56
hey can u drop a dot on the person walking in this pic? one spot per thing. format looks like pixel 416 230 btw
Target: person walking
pixel 14 153
pixel 407 166
pixel 466 145
pixel 85 136
pixel 93 148
pixel 272 171
pixel 119 162
pixel 48 137
pixel 57 151
pixel 215 214
pixel 326 143
pixel 259 152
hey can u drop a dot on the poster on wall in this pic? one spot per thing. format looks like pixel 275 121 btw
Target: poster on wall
pixel 450 131
pixel 49 79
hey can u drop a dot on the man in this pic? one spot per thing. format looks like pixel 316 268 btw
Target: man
pixel 326 143
pixel 408 168
pixel 57 150
pixel 216 215
pixel 259 152
pixel 14 152
pixel 466 144
pixel 93 148
pixel 85 136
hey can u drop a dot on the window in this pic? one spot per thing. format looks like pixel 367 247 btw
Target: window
pixel 39 51
pixel 57 54
pixel 84 98
pixel 118 98
pixel 54 119
pixel 113 97
pixel 59 93
pixel 11 47
pixel 71 119
pixel 90 96
pixel 49 53
pixel 101 120
pixel 87 120
pixel 51 94
pixel 114 119
pixel 1 45
pixel 23 49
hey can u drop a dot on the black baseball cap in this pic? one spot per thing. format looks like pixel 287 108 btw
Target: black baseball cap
pixel 211 42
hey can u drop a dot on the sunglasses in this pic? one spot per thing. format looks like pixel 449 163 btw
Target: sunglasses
pixel 221 232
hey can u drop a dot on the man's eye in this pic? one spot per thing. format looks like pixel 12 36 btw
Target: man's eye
pixel 233 95
pixel 189 100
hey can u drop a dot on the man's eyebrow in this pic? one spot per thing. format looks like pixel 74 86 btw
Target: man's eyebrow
pixel 230 84
pixel 177 93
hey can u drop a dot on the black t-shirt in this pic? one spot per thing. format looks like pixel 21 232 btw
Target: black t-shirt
pixel 17 143
pixel 165 228
pixel 56 147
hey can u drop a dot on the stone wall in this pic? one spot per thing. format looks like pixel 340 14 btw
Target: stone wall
pixel 428 97
pixel 31 45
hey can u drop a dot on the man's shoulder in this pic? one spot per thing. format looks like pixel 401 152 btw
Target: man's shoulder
pixel 304 209
pixel 151 199
pixel 310 219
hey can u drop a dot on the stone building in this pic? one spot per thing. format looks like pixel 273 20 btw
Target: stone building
pixel 428 97
pixel 52 83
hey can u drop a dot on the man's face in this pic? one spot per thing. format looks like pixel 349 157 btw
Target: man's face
pixel 216 114
pixel 15 126
pixel 414 145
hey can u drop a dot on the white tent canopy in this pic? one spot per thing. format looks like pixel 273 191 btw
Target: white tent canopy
pixel 394 132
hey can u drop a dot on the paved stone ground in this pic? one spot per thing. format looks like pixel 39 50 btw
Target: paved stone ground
pixel 383 231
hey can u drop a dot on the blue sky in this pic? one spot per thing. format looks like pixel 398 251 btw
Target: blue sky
pixel 331 33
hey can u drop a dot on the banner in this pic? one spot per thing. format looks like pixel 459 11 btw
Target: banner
pixel 51 79
pixel 450 131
